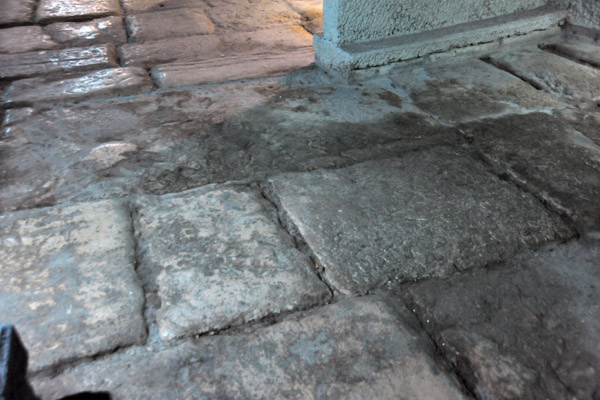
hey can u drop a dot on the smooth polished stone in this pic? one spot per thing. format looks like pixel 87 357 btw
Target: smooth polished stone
pixel 57 10
pixel 97 31
pixel 22 39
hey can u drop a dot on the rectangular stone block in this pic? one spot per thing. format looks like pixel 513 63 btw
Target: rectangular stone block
pixel 57 10
pixel 68 60
pixel 97 31
pixel 167 24
pixel 16 12
pixel 22 39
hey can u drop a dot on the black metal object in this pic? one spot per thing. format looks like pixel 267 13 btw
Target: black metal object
pixel 13 366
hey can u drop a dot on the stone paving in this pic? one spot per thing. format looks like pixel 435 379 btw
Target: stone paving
pixel 190 210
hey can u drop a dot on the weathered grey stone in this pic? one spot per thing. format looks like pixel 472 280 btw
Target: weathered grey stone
pixel 207 47
pixel 24 38
pixel 557 75
pixel 527 330
pixel 215 258
pixel 166 24
pixel 447 211
pixel 97 31
pixel 355 349
pixel 230 68
pixel 251 16
pixel 134 6
pixel 14 12
pixel 549 158
pixel 69 60
pixel 586 52
pixel 55 10
pixel 67 280
pixel 105 83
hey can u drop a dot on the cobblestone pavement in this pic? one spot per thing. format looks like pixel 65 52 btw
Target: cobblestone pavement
pixel 190 210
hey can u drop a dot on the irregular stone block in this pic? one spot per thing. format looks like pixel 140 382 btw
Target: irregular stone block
pixel 527 330
pixel 354 349
pixel 556 75
pixel 16 12
pixel 252 16
pixel 549 158
pixel 230 68
pixel 167 24
pixel 13 366
pixel 22 39
pixel 447 211
pixel 581 51
pixel 105 83
pixel 67 280
pixel 69 60
pixel 56 10
pixel 97 31
pixel 216 258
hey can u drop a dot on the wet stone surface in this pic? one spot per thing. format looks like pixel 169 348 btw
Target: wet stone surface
pixel 97 31
pixel 355 349
pixel 167 24
pixel 527 330
pixel 345 217
pixel 67 280
pixel 56 10
pixel 22 39
pixel 215 257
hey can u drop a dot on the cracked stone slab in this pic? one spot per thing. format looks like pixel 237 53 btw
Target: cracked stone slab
pixel 16 12
pixel 527 330
pixel 167 24
pixel 215 257
pixel 550 158
pixel 207 47
pixel 467 90
pixel 581 51
pixel 428 213
pixel 97 31
pixel 51 61
pixel 355 349
pixel 105 83
pixel 68 282
pixel 555 74
pixel 56 10
pixel 22 39
pixel 251 16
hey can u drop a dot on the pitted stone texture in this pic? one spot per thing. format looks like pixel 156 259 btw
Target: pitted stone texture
pixel 207 47
pixel 97 31
pixel 167 24
pixel 527 330
pixel 135 6
pixel 52 61
pixel 466 90
pixel 581 51
pixel 555 74
pixel 216 258
pixel 429 213
pixel 56 10
pixel 15 12
pixel 548 157
pixel 245 15
pixel 105 83
pixel 67 280
pixel 22 39
pixel 355 349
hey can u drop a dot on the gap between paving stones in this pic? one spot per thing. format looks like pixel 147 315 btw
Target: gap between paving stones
pixel 534 85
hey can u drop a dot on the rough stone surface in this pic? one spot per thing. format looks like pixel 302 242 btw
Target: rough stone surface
pixel 52 61
pixel 345 218
pixel 24 38
pixel 169 23
pixel 105 83
pixel 67 280
pixel 215 258
pixel 230 68
pixel 549 158
pixel 14 12
pixel 527 330
pixel 585 52
pixel 247 15
pixel 356 349
pixel 135 6
pixel 56 10
pixel 97 31
pixel 552 73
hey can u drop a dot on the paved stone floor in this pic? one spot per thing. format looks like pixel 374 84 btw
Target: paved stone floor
pixel 190 210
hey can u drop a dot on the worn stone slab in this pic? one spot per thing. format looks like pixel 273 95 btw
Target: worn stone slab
pixel 215 257
pixel 556 75
pixel 68 282
pixel 582 51
pixel 22 39
pixel 428 213
pixel 57 10
pixel 135 6
pixel 16 12
pixel 527 330
pixel 166 24
pixel 13 66
pixel 355 349
pixel 230 68
pixel 251 16
pixel 97 31
pixel 105 83
pixel 548 157
pixel 207 47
